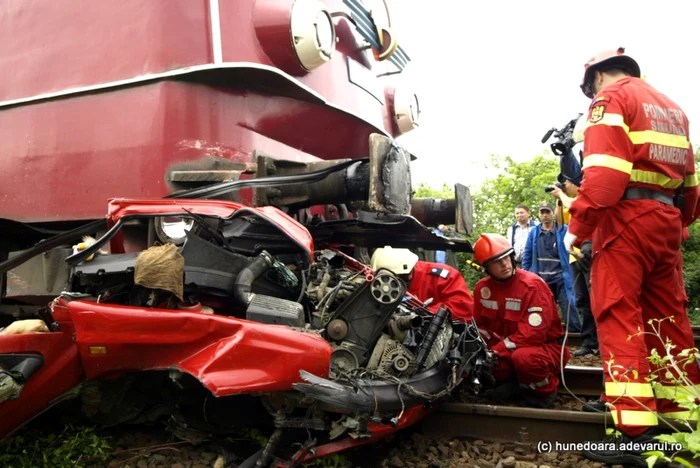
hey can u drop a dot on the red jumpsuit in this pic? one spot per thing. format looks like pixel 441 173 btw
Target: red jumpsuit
pixel 522 322
pixel 445 285
pixel 636 141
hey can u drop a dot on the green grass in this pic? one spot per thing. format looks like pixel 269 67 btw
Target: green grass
pixel 74 447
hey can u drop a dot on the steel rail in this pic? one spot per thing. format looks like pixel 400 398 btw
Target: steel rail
pixel 582 381
pixel 525 426
pixel 510 423
pixel 576 340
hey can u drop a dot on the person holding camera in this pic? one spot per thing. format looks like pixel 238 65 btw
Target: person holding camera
pixel 565 193
pixel 545 256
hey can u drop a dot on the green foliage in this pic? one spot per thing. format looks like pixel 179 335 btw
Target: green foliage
pixel 691 262
pixel 668 369
pixel 74 447
pixel 426 191
pixel 334 460
pixel 522 182
pixel 691 271
pixel 256 436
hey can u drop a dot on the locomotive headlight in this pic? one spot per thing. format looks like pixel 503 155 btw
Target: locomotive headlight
pixel 406 110
pixel 313 33
pixel 325 33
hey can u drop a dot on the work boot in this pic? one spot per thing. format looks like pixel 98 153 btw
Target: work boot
pixel 610 452
pixel 585 351
pixel 507 391
pixel 538 401
pixel 597 406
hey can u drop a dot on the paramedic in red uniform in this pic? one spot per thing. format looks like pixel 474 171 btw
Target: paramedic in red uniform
pixel 426 280
pixel 639 191
pixel 517 315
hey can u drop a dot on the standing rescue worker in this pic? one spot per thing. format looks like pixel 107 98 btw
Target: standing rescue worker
pixel 426 280
pixel 638 193
pixel 517 314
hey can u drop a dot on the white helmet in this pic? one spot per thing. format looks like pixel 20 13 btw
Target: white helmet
pixel 579 128
pixel 400 261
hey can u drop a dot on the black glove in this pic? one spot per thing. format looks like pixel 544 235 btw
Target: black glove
pixel 587 252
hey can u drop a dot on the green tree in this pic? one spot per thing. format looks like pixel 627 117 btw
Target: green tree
pixel 691 271
pixel 691 261
pixel 425 191
pixel 518 182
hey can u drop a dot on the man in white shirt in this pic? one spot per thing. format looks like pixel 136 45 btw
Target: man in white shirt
pixel 519 230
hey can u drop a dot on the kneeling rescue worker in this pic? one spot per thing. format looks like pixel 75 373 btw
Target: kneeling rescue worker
pixel 439 282
pixel 517 315
pixel 639 191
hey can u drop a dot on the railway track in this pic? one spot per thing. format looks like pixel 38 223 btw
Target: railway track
pixel 514 424
pixel 523 427
pixel 575 339
pixel 582 381
pixel 522 430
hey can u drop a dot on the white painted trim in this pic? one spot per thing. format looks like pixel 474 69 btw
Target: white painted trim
pixel 179 72
pixel 159 76
pixel 215 20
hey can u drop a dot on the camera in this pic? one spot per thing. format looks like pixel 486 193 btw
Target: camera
pixel 565 137
pixel 550 188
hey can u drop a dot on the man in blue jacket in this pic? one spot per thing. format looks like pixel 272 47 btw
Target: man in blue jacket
pixel 546 256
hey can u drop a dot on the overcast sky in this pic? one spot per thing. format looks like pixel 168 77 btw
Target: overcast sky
pixel 493 76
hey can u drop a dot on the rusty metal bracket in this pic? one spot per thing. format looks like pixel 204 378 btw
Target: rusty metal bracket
pixel 390 177
pixel 206 171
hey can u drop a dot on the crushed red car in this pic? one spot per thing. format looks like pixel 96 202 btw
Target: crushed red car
pixel 251 320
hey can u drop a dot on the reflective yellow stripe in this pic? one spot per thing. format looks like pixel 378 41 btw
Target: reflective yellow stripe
pixel 680 415
pixel 670 392
pixel 630 389
pixel 605 160
pixel 612 120
pixel 634 418
pixel 691 181
pixel 659 138
pixel 655 178
pixel 643 136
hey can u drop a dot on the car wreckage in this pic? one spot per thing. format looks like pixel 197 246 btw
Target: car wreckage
pixel 247 319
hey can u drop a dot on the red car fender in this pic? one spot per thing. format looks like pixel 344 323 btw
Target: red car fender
pixel 227 355
pixel 120 207
pixel 60 372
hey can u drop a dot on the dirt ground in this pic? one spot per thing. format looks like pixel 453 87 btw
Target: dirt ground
pixel 155 449
pixel 587 361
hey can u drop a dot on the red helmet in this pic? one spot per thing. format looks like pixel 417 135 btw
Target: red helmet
pixel 616 58
pixel 491 247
